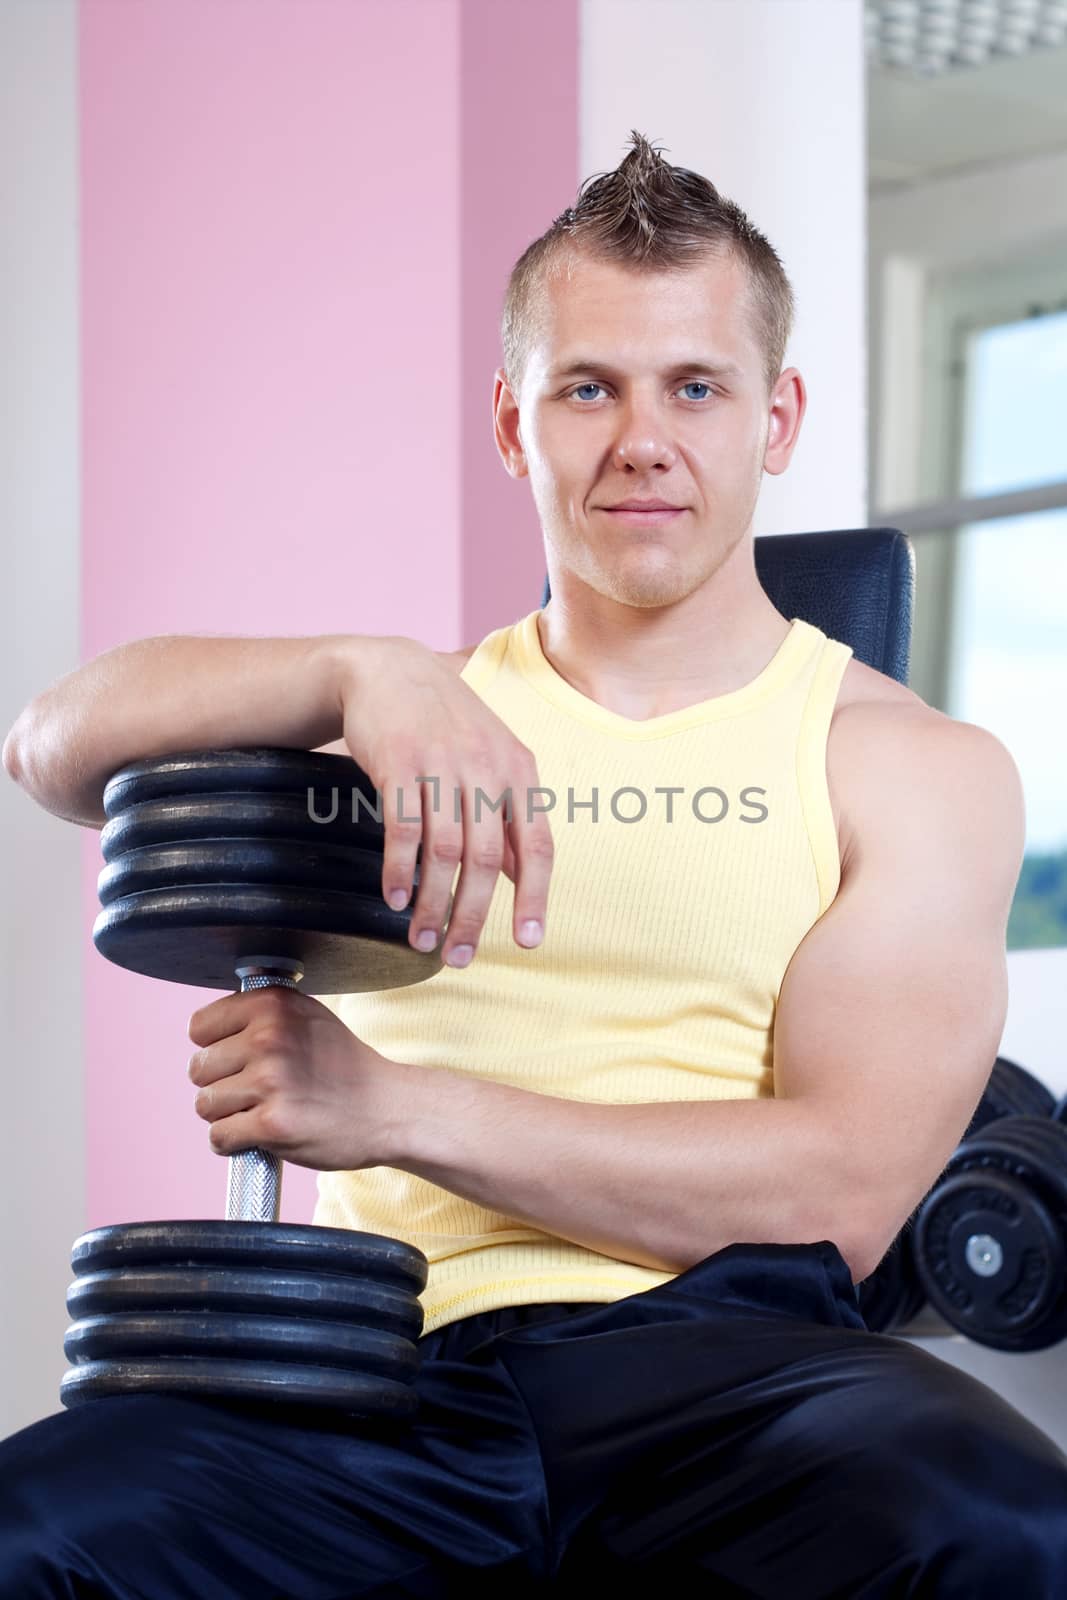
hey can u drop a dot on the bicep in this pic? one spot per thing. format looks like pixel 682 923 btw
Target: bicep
pixel 892 1008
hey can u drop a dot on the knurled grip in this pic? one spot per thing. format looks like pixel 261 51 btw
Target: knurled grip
pixel 254 1189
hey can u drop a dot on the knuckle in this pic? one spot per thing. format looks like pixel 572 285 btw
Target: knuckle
pixel 446 848
pixel 272 1002
pixel 272 1121
pixel 399 772
pixel 268 1029
pixel 488 855
pixel 405 829
pixel 269 1044
pixel 481 752
pixel 540 843
pixel 268 1073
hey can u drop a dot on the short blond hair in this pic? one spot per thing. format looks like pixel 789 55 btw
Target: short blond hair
pixel 650 216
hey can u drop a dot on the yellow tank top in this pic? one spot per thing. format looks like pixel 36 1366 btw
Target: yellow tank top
pixel 693 852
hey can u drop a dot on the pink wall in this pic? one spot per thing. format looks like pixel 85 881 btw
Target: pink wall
pixel 519 169
pixel 296 225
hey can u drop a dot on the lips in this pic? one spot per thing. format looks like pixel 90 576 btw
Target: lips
pixel 643 505
pixel 644 517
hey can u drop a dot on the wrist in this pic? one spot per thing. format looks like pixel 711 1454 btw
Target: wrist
pixel 347 666
pixel 355 663
pixel 407 1094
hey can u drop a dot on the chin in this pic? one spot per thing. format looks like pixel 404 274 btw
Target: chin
pixel 648 592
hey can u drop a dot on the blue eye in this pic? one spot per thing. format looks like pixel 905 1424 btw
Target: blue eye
pixel 693 383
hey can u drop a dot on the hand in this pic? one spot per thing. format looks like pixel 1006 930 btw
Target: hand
pixel 279 1072
pixel 407 715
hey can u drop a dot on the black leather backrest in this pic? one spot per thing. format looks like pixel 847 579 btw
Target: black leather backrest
pixel 856 584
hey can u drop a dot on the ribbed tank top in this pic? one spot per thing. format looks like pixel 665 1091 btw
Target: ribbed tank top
pixel 671 920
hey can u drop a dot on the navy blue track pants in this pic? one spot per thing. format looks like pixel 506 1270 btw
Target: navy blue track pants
pixel 737 1430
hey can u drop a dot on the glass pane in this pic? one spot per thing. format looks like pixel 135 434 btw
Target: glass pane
pixel 990 647
pixel 1015 412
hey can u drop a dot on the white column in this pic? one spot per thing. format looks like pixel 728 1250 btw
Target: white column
pixel 766 99
pixel 42 1165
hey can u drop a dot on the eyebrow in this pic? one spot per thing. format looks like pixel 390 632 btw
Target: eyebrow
pixel 718 367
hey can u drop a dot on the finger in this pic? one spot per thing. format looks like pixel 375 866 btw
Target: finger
pixel 241 1131
pixel 509 866
pixel 531 837
pixel 483 858
pixel 439 860
pixel 220 1100
pixel 402 820
pixel 224 1017
pixel 218 1061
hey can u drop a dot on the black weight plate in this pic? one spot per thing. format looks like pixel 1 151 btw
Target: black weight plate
pixel 186 818
pixel 892 1295
pixel 1010 1308
pixel 287 1383
pixel 199 935
pixel 261 767
pixel 231 1289
pixel 1022 1092
pixel 1059 1110
pixel 913 1295
pixel 305 1247
pixel 1011 1091
pixel 1037 1141
pixel 137 1336
pixel 1007 1183
pixel 878 1295
pixel 245 861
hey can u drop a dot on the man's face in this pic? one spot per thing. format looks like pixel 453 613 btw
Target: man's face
pixel 645 412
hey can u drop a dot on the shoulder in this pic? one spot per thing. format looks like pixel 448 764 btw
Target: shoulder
pixel 899 768
pixel 863 685
pixel 456 659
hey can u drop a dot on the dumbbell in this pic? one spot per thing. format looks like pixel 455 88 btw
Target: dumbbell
pixel 1012 1091
pixel 891 1296
pixel 262 866
pixel 894 1294
pixel 990 1239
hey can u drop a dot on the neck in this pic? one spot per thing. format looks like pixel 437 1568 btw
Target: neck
pixel 646 661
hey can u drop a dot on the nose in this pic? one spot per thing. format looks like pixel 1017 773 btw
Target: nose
pixel 642 445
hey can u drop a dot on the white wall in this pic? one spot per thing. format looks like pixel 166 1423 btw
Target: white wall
pixel 768 102
pixel 42 1167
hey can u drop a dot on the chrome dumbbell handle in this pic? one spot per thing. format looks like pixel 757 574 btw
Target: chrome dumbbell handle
pixel 254 1189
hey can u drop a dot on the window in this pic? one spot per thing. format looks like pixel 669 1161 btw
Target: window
pixel 990 629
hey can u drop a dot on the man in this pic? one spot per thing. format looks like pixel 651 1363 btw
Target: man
pixel 649 1143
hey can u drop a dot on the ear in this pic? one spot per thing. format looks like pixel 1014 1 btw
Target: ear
pixel 506 426
pixel 786 407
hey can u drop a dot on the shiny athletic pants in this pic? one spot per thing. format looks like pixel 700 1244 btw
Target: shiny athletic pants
pixel 735 1432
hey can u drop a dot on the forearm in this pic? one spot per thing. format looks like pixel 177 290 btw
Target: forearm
pixel 662 1185
pixel 175 692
